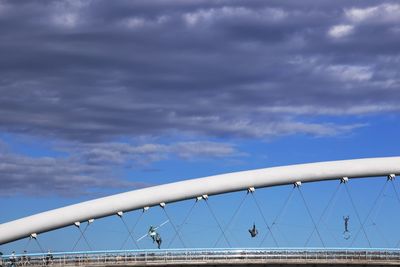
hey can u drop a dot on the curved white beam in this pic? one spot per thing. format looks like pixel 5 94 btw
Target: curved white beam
pixel 187 189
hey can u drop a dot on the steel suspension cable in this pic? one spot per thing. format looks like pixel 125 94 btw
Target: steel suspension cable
pixel 131 231
pixel 84 237
pixel 359 220
pixel 80 237
pixel 233 236
pixel 183 223
pixel 27 243
pixel 265 220
pixel 282 234
pixel 173 226
pixel 329 214
pixel 312 219
pixel 398 187
pixel 236 212
pixel 398 199
pixel 375 225
pixel 395 190
pixel 323 212
pixel 37 242
pixel 40 247
pixel 330 231
pixel 358 215
pixel 216 220
pixel 284 206
pixel 378 229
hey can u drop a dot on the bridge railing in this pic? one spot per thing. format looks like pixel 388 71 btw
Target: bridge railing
pixel 148 257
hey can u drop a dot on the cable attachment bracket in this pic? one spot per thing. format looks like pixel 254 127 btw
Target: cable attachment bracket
pixel 391 177
pixel 120 214
pixel 162 204
pixel 251 190
pixel 33 236
pixel 344 180
pixel 202 197
pixel 297 184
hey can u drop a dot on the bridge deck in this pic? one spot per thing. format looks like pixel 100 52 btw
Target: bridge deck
pixel 220 257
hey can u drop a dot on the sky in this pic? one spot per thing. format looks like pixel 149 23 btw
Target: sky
pixel 101 97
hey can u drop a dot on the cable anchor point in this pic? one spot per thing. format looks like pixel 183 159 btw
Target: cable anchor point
pixel 251 190
pixel 204 197
pixel 391 177
pixel 33 236
pixel 297 184
pixel 344 180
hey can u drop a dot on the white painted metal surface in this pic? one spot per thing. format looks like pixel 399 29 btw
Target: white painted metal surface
pixel 212 185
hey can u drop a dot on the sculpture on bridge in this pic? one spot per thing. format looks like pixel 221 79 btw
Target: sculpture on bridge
pixel 155 236
pixel 253 232
pixel 152 233
pixel 158 240
pixel 346 232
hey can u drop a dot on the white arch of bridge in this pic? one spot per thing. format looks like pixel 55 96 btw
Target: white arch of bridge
pixel 187 189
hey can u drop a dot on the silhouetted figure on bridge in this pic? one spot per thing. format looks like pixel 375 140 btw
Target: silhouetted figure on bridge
pixel 25 259
pixel 49 258
pixel 13 259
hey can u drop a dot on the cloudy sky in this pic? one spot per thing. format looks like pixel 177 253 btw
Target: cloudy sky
pixel 105 96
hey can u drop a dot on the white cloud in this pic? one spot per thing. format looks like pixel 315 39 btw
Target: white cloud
pixel 204 149
pixel 209 15
pixel 360 109
pixel 2 7
pixel 350 73
pixel 67 14
pixel 285 125
pixel 340 31
pixel 360 14
pixel 53 176
pixel 68 20
pixel 374 14
pixel 137 22
pixel 381 13
pixel 316 129
pixel 87 168
pixel 125 154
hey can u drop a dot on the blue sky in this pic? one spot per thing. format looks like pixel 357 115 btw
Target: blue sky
pixel 99 98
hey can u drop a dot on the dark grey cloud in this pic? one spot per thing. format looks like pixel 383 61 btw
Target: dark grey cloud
pixel 23 175
pixel 95 168
pixel 129 155
pixel 94 70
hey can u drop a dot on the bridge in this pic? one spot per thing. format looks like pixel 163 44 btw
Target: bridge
pixel 247 183
pixel 220 257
